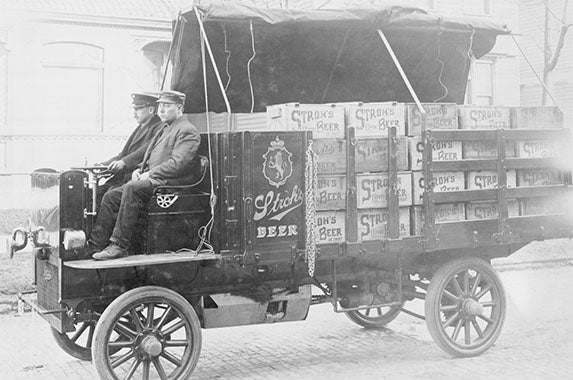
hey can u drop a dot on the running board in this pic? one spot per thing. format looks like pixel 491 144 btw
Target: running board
pixel 142 260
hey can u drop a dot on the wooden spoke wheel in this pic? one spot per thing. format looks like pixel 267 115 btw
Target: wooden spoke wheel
pixel 160 336
pixel 465 307
pixel 77 343
pixel 374 318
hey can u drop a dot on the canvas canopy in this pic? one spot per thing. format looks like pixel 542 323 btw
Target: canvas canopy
pixel 272 56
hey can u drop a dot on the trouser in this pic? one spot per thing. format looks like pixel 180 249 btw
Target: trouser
pixel 116 180
pixel 118 213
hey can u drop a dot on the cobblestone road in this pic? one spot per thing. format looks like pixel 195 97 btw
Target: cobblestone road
pixel 537 343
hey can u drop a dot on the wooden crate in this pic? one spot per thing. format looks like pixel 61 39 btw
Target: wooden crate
pixel 255 121
pixel 372 155
pixel 539 148
pixel 331 192
pixel 373 223
pixel 480 117
pixel 218 122
pixel 485 179
pixel 331 156
pixel 376 119
pixel 371 190
pixel 538 177
pixel 445 181
pixel 486 149
pixel 330 227
pixel 490 210
pixel 324 120
pixel 542 205
pixel 441 151
pixel 536 118
pixel 444 212
pixel 438 116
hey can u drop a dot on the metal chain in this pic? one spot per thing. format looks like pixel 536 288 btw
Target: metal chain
pixel 310 185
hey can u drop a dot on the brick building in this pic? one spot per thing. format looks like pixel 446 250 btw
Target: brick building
pixel 67 68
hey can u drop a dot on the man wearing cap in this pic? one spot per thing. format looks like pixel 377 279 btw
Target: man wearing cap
pixel 148 123
pixel 170 159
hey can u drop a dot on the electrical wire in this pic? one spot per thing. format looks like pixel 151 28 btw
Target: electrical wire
pixel 441 70
pixel 228 53
pixel 249 66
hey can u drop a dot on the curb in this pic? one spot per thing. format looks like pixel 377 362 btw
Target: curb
pixel 535 264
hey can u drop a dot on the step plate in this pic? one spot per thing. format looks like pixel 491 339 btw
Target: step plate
pixel 142 260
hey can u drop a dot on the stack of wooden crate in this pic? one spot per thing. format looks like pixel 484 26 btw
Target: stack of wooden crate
pixel 370 124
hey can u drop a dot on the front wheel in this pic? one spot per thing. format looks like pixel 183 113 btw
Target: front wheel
pixel 77 343
pixel 160 336
pixel 465 307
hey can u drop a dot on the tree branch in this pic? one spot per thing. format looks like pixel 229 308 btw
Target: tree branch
pixel 553 61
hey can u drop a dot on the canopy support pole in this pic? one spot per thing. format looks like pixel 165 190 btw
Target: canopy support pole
pixel 178 24
pixel 533 69
pixel 429 215
pixel 404 77
pixel 212 58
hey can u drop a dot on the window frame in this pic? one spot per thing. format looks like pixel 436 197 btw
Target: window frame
pixel 471 95
pixel 97 65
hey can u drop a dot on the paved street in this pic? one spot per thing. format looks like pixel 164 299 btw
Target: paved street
pixel 537 343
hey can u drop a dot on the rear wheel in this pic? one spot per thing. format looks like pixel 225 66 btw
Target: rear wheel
pixel 465 307
pixel 160 336
pixel 374 318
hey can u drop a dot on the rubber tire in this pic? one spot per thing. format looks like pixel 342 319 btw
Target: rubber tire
pixel 380 322
pixel 136 296
pixel 438 282
pixel 71 348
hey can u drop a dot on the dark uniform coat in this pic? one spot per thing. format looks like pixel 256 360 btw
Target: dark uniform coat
pixel 171 157
pixel 134 149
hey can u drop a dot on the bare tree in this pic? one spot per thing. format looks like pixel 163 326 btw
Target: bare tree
pixel 550 57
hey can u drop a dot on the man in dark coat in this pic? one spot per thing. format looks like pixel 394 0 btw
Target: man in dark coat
pixel 170 159
pixel 148 123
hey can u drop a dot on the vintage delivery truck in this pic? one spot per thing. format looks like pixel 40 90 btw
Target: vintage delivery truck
pixel 337 155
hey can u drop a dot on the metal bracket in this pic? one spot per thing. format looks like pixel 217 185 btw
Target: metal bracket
pixel 475 239
pixel 341 249
pixel 429 240
pixel 505 236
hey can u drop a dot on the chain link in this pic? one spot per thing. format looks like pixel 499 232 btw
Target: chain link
pixel 310 186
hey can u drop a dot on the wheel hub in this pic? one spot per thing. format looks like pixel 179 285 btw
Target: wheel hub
pixel 472 308
pixel 151 345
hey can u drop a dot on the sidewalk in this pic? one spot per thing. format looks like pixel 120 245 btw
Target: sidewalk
pixel 537 254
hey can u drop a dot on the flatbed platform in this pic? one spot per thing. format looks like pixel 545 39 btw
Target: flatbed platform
pixel 142 260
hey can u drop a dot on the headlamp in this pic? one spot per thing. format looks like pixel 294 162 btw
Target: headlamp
pixel 19 240
pixel 74 239
pixel 40 237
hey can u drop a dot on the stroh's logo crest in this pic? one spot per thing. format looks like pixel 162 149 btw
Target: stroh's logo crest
pixel 277 167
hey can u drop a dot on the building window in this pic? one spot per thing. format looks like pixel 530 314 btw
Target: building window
pixel 71 87
pixel 477 7
pixel 481 83
pixel 155 57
